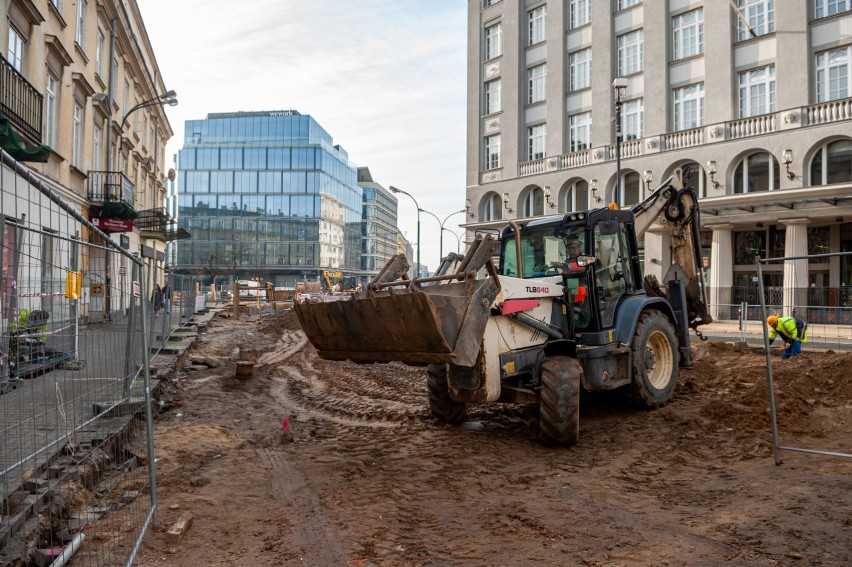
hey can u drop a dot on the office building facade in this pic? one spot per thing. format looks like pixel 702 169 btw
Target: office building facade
pixel 378 225
pixel 90 131
pixel 754 101
pixel 266 196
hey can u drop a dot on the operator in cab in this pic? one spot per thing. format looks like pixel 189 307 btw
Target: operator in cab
pixel 575 280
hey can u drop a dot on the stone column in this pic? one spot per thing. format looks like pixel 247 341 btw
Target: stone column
pixel 721 271
pixel 795 271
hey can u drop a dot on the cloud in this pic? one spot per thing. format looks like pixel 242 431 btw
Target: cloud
pixel 386 78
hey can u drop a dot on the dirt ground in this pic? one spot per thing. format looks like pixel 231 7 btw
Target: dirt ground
pixel 367 477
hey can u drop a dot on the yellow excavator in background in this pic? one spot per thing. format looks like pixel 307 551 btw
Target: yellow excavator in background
pixel 336 281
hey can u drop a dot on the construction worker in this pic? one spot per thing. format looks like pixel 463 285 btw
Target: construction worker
pixel 792 331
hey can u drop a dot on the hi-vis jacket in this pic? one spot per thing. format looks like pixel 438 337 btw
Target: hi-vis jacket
pixel 789 329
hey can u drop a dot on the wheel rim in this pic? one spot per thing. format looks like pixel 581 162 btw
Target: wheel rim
pixel 660 371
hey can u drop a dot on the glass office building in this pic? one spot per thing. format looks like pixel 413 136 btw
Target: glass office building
pixel 378 226
pixel 266 195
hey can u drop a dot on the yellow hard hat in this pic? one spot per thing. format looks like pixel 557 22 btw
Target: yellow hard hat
pixel 772 320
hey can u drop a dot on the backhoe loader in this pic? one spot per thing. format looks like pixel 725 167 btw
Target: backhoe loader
pixel 567 309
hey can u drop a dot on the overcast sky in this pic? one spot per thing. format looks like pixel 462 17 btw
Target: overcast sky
pixel 386 78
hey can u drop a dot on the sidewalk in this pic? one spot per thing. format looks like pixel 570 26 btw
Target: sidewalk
pixel 819 335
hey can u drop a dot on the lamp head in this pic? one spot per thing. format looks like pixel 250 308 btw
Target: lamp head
pixel 167 95
pixel 648 176
pixel 711 166
pixel 619 83
pixel 787 156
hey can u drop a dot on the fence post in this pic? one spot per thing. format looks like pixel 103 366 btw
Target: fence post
pixel 129 363
pixel 149 421
pixel 768 361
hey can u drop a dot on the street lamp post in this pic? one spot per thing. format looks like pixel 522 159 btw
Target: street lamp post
pixel 169 97
pixel 395 190
pixel 441 222
pixel 458 239
pixel 618 84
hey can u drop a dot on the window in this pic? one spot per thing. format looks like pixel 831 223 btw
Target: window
pixel 757 172
pixel 580 65
pixel 492 152
pixel 688 34
pixel 487 3
pixel 631 187
pixel 581 13
pixel 689 107
pixel 99 54
pixel 81 23
pixel 97 150
pixel 533 203
pixel 51 110
pixel 15 53
pixel 126 104
pixel 536 136
pixel 492 96
pixel 832 163
pixel 77 137
pixel 624 4
pixel 577 197
pixel 695 177
pixel 632 119
pixel 760 15
pixel 580 131
pixel 537 25
pixel 492 41
pixel 536 77
pixel 757 92
pixel 630 53
pixel 825 8
pixel 491 208
pixel 832 74
pixel 749 244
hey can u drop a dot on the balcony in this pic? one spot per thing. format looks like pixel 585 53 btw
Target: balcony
pixel 20 123
pixel 156 223
pixel 111 194
pixel 739 129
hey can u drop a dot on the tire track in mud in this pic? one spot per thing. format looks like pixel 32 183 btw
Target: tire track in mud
pixel 327 391
pixel 319 538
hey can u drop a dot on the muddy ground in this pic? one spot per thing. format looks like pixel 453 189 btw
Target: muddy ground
pixel 367 477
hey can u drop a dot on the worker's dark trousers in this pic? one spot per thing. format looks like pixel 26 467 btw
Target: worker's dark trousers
pixel 793 348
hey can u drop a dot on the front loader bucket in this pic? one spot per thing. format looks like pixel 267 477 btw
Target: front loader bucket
pixel 415 324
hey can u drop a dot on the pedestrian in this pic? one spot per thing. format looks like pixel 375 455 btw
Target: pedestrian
pixel 157 299
pixel 167 298
pixel 792 331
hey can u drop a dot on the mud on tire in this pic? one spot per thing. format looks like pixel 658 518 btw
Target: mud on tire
pixel 655 360
pixel 559 404
pixel 443 407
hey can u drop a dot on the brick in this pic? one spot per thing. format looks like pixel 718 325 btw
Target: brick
pixel 179 528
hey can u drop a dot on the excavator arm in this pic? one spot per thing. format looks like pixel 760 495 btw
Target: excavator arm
pixel 676 208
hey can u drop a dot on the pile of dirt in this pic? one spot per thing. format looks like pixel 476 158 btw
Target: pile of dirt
pixel 810 389
pixel 277 323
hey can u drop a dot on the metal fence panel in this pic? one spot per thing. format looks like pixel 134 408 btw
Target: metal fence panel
pixel 765 311
pixel 75 422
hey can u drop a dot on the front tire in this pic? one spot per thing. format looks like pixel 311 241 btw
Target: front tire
pixel 655 361
pixel 559 403
pixel 442 405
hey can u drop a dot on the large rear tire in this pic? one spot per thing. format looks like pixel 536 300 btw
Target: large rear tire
pixel 442 405
pixel 559 404
pixel 655 361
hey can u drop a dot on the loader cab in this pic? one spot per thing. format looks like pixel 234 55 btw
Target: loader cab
pixel 594 252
